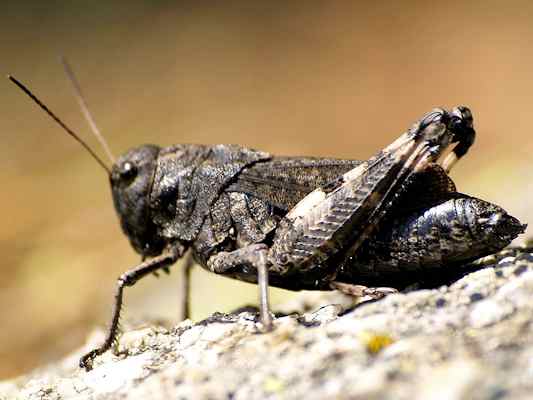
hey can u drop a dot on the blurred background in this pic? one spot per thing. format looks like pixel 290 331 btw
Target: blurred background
pixel 318 78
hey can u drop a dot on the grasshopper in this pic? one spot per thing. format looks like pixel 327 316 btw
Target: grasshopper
pixel 367 228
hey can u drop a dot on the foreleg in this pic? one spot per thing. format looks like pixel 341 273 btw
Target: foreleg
pixel 129 278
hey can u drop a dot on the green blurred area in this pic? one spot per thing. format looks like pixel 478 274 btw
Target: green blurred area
pixel 338 79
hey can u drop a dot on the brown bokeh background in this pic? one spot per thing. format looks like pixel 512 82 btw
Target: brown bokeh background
pixel 317 78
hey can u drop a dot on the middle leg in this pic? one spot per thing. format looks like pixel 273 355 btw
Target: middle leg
pixel 184 311
pixel 254 256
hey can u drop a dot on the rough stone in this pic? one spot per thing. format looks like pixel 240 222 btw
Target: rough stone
pixel 471 340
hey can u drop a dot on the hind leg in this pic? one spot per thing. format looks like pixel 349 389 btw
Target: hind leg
pixel 362 291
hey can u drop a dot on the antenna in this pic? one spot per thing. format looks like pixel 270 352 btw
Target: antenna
pixel 59 122
pixel 84 108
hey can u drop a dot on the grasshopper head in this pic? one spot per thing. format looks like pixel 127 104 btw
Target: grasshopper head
pixel 131 179
pixel 131 182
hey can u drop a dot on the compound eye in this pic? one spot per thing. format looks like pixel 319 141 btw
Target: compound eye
pixel 128 172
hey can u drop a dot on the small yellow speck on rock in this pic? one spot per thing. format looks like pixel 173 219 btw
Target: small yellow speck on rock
pixel 273 384
pixel 375 342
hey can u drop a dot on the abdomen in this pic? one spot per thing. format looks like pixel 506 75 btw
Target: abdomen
pixel 429 242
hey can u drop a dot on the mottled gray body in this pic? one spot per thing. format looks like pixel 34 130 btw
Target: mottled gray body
pixel 319 220
pixel 428 230
pixel 306 223
pixel 216 199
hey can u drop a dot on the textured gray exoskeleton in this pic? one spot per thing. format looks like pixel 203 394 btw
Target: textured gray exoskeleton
pixel 367 228
pixel 308 223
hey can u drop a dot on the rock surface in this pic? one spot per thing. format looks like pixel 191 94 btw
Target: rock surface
pixel 471 340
